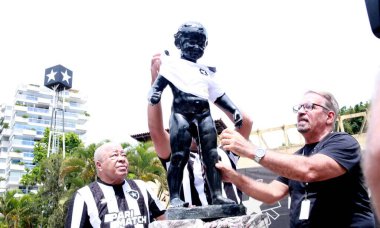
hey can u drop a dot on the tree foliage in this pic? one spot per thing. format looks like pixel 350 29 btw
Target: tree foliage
pixel 145 165
pixel 353 125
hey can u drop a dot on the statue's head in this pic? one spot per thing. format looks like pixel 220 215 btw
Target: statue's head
pixel 191 39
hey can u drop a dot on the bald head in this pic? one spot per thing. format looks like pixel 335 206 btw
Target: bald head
pixel 111 163
pixel 105 149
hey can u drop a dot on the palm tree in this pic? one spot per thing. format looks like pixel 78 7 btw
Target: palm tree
pixel 9 207
pixel 78 169
pixel 29 211
pixel 145 165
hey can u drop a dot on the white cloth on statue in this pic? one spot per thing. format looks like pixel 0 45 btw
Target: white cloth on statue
pixel 189 77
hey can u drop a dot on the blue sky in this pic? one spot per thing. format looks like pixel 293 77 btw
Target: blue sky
pixel 268 53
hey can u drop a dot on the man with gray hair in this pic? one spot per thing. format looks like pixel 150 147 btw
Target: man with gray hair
pixel 112 200
pixel 324 178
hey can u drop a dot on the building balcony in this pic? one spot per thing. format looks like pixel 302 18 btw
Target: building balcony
pixel 68 115
pixel 21 145
pixel 3 154
pixel 6 132
pixel 20 119
pixel 39 122
pixel 20 108
pixel 16 167
pixel 27 99
pixel 13 184
pixel 39 111
pixel 76 97
pixel 32 88
pixel 4 144
pixel 25 132
pixel 38 137
pixel 2 183
pixel 82 119
pixel 3 166
pixel 28 132
pixel 15 155
pixel 44 101
pixel 80 129
pixel 75 108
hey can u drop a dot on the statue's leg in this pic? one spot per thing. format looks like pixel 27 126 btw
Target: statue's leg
pixel 208 141
pixel 180 140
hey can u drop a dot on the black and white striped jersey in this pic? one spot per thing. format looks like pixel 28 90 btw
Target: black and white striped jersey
pixel 194 188
pixel 131 204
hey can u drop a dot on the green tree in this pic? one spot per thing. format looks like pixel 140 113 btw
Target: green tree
pixel 52 189
pixel 72 142
pixel 9 207
pixel 353 125
pixel 145 165
pixel 29 211
pixel 79 169
pixel 52 197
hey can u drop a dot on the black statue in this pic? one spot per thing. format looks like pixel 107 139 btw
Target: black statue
pixel 192 86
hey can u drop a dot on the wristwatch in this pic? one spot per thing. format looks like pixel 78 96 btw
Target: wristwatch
pixel 259 154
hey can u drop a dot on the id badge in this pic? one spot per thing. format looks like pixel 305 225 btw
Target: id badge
pixel 305 209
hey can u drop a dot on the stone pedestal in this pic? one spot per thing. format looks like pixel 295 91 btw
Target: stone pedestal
pixel 206 213
pixel 247 221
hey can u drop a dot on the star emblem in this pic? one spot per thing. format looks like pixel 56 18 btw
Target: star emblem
pixel 134 194
pixel 66 77
pixel 51 75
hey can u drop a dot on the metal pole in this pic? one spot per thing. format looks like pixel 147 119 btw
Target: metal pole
pixel 51 121
pixel 63 124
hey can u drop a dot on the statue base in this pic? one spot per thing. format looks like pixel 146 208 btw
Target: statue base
pixel 248 221
pixel 206 213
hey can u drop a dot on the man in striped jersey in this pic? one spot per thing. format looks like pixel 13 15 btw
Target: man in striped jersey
pixel 111 200
pixel 194 189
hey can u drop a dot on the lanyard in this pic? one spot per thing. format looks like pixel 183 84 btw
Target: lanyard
pixel 306 183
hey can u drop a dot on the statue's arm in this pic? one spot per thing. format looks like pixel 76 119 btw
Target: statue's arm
pixel 155 92
pixel 227 105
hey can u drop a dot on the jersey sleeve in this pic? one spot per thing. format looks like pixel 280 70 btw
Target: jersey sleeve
pixel 77 213
pixel 156 207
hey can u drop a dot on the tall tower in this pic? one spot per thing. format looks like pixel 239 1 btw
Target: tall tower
pixel 57 78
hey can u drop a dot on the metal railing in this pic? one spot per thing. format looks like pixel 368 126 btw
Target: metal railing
pixel 263 136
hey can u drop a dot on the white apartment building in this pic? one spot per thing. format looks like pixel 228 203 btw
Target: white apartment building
pixel 23 123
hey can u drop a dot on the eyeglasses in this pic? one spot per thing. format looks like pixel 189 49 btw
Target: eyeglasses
pixel 307 107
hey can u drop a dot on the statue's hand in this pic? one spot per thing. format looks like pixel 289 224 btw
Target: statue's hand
pixel 238 119
pixel 154 97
